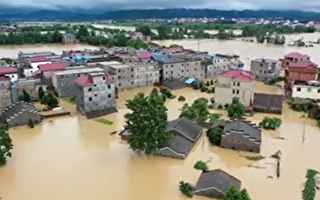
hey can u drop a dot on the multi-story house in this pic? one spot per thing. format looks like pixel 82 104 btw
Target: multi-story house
pixel 177 68
pixel 33 64
pixel 95 92
pixel 265 69
pixel 220 63
pixel 69 38
pixel 145 74
pixel 63 81
pixel 9 72
pixel 5 92
pixel 234 83
pixel 298 67
pixel 137 36
pixel 306 90
pixel 123 75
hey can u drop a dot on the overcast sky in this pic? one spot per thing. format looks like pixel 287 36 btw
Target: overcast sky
pixel 313 5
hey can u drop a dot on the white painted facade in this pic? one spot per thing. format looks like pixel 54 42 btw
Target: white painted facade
pixel 34 67
pixel 14 77
pixel 306 91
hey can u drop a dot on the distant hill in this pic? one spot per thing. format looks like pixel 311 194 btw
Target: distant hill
pixel 75 14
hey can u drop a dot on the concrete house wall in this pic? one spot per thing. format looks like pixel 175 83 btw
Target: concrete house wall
pixel 220 64
pixel 306 91
pixel 146 75
pixel 123 76
pixel 226 89
pixel 261 69
pixel 5 94
pixel 239 141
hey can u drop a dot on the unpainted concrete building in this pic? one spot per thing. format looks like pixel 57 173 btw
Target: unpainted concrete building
pixel 220 63
pixel 95 93
pixel 5 93
pixel 145 74
pixel 265 69
pixel 63 81
pixel 20 113
pixel 123 75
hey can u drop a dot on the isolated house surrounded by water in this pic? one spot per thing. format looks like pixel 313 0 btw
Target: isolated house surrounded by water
pixel 185 135
pixel 241 135
pixel 215 184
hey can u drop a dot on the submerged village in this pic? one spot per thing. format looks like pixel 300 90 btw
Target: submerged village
pixel 36 85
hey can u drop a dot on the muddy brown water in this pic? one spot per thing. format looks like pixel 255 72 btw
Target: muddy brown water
pixel 75 158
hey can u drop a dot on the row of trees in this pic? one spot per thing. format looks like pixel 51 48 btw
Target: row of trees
pixel 5 144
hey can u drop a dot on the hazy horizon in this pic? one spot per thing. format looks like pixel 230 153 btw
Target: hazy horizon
pixel 144 4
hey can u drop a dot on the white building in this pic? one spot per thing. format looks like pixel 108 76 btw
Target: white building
pixel 34 62
pixel 306 90
pixel 220 63
pixel 145 74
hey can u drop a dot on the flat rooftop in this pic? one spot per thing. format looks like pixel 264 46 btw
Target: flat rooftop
pixel 267 60
pixel 110 63
pixel 78 71
pixel 119 66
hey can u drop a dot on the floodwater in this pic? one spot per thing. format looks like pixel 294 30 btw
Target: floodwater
pixel 11 51
pixel 75 158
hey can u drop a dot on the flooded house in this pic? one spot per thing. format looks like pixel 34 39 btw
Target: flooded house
pixel 185 134
pixel 241 135
pixel 220 63
pixel 234 83
pixel 306 90
pixel 5 92
pixel 69 38
pixel 265 69
pixel 20 113
pixel 63 81
pixel 215 184
pixel 267 103
pixel 33 63
pixel 95 94
pixel 45 71
pixel 9 72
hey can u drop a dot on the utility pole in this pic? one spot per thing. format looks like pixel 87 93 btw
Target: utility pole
pixel 304 132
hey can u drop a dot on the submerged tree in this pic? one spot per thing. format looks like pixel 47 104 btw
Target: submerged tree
pixel 200 165
pixel 270 123
pixel 147 123
pixel 198 111
pixel 186 189
pixel 236 109
pixel 5 144
pixel 234 194
pixel 49 100
pixel 41 93
pixel 214 135
pixel 25 96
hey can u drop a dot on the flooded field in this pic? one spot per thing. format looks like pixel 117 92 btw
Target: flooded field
pixel 75 158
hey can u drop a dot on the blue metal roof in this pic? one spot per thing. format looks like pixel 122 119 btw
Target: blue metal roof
pixel 160 56
pixel 190 80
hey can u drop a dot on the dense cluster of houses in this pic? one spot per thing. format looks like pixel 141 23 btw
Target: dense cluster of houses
pixel 94 77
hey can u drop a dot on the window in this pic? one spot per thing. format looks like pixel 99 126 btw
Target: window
pixel 119 71
pixel 95 95
pixel 131 76
pixel 109 86
pixel 261 65
pixel 308 89
pixel 95 85
pixel 132 83
pixel 298 89
pixel 237 91
pixel 132 69
pixel 233 91
pixel 90 98
pixel 119 84
pixel 171 66
pixel 109 95
pixel 90 89
pixel 238 84
pixel 119 77
pixel 318 90
pixel 103 78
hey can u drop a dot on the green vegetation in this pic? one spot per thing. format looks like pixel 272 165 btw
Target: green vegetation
pixel 275 80
pixel 41 93
pixel 147 123
pixel 166 92
pixel 270 123
pixel 234 194
pixel 49 100
pixel 309 191
pixel 236 109
pixel 103 121
pixel 186 189
pixel 214 135
pixel 71 100
pixel 7 60
pixel 181 98
pixel 213 117
pixel 200 165
pixel 5 144
pixel 30 123
pixel 197 111
pixel 301 107
pixel 25 96
pixel 255 158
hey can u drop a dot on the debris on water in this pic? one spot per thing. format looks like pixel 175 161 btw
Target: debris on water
pixel 257 167
pixel 269 177
pixel 280 138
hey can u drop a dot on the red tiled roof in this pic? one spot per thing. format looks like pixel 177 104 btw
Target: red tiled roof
pixel 87 80
pixel 5 78
pixel 172 50
pixel 302 64
pixel 7 70
pixel 296 55
pixel 238 74
pixel 38 59
pixel 52 67
pixel 144 55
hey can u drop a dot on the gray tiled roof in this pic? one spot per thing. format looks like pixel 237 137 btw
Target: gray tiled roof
pixel 16 108
pixel 181 144
pixel 185 127
pixel 218 179
pixel 240 125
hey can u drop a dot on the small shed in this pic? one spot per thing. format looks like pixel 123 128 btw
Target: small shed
pixel 215 184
